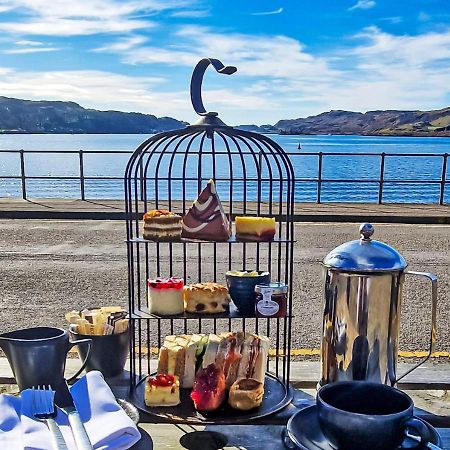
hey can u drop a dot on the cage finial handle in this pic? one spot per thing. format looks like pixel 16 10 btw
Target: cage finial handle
pixel 197 79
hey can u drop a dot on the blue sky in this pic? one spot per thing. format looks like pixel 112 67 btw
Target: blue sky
pixel 295 58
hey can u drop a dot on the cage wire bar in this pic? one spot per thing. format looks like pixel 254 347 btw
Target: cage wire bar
pixel 168 171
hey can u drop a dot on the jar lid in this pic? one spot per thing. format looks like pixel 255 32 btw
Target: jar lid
pixel 277 287
pixel 365 255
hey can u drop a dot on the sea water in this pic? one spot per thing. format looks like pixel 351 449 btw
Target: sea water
pixel 402 172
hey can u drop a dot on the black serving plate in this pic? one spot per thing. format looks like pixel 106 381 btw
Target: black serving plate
pixel 276 397
pixel 303 432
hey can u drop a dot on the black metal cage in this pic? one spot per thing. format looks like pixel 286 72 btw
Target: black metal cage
pixel 253 176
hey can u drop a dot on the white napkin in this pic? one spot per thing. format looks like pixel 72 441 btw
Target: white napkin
pixel 106 423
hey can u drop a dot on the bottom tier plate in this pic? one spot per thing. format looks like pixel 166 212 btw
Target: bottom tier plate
pixel 276 397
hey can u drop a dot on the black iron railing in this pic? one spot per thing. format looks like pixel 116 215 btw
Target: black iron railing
pixel 378 177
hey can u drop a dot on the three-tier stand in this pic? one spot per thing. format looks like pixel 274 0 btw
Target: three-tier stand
pixel 253 177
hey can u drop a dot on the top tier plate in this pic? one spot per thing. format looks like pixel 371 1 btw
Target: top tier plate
pixel 232 240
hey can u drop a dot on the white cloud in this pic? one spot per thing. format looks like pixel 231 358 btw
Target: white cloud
pixel 29 43
pixel 423 17
pixel 278 77
pixel 382 71
pixel 191 13
pixel 107 91
pixel 268 13
pixel 393 19
pixel 256 56
pixel 122 45
pixel 27 50
pixel 363 4
pixel 82 17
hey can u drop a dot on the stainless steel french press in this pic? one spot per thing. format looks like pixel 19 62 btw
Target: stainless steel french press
pixel 361 314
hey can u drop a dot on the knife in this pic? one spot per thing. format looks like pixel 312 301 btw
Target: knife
pixel 66 403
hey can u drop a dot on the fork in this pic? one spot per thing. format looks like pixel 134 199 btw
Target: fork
pixel 43 408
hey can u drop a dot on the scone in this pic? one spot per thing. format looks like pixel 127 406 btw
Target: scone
pixel 245 394
pixel 206 298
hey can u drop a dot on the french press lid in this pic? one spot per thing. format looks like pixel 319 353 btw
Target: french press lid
pixel 365 255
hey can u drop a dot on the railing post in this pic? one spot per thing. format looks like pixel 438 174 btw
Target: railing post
pixel 22 174
pixel 141 179
pixel 80 154
pixel 381 181
pixel 443 178
pixel 319 178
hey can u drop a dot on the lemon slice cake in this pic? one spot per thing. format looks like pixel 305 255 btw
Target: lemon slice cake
pixel 255 228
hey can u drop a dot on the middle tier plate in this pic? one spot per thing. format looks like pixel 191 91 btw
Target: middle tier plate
pixel 276 397
pixel 144 313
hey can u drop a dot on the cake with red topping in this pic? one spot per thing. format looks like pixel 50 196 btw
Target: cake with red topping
pixel 161 225
pixel 206 219
pixel 209 389
pixel 162 390
pixel 255 228
pixel 165 296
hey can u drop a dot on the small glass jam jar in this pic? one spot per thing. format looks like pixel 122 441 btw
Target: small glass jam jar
pixel 271 300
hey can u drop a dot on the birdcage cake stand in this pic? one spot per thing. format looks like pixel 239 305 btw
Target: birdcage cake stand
pixel 253 177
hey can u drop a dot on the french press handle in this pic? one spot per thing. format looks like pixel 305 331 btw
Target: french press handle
pixel 433 279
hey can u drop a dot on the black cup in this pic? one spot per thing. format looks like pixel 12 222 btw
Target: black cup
pixel 242 290
pixel 358 415
pixel 108 353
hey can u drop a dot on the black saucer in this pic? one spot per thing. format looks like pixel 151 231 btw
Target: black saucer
pixel 303 432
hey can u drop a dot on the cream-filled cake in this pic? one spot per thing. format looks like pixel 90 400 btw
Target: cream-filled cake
pixel 165 296
pixel 161 225
pixel 162 390
pixel 255 228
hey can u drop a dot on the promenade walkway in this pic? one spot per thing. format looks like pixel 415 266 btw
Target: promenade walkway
pixel 304 212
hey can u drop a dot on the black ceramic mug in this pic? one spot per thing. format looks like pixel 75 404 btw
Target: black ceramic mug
pixel 37 356
pixel 358 415
pixel 108 354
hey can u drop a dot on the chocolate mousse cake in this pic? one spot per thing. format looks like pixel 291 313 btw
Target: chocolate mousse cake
pixel 206 219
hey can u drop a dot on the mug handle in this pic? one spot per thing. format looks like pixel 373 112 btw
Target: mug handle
pixel 81 341
pixel 433 279
pixel 420 434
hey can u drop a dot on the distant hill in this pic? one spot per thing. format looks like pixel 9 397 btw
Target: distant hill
pixel 26 116
pixel 268 129
pixel 382 123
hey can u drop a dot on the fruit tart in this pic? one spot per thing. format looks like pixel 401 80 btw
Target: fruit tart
pixel 162 390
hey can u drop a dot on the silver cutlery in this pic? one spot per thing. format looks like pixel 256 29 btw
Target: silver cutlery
pixel 43 409
pixel 78 430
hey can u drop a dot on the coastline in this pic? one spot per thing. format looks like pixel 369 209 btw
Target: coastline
pixel 280 133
